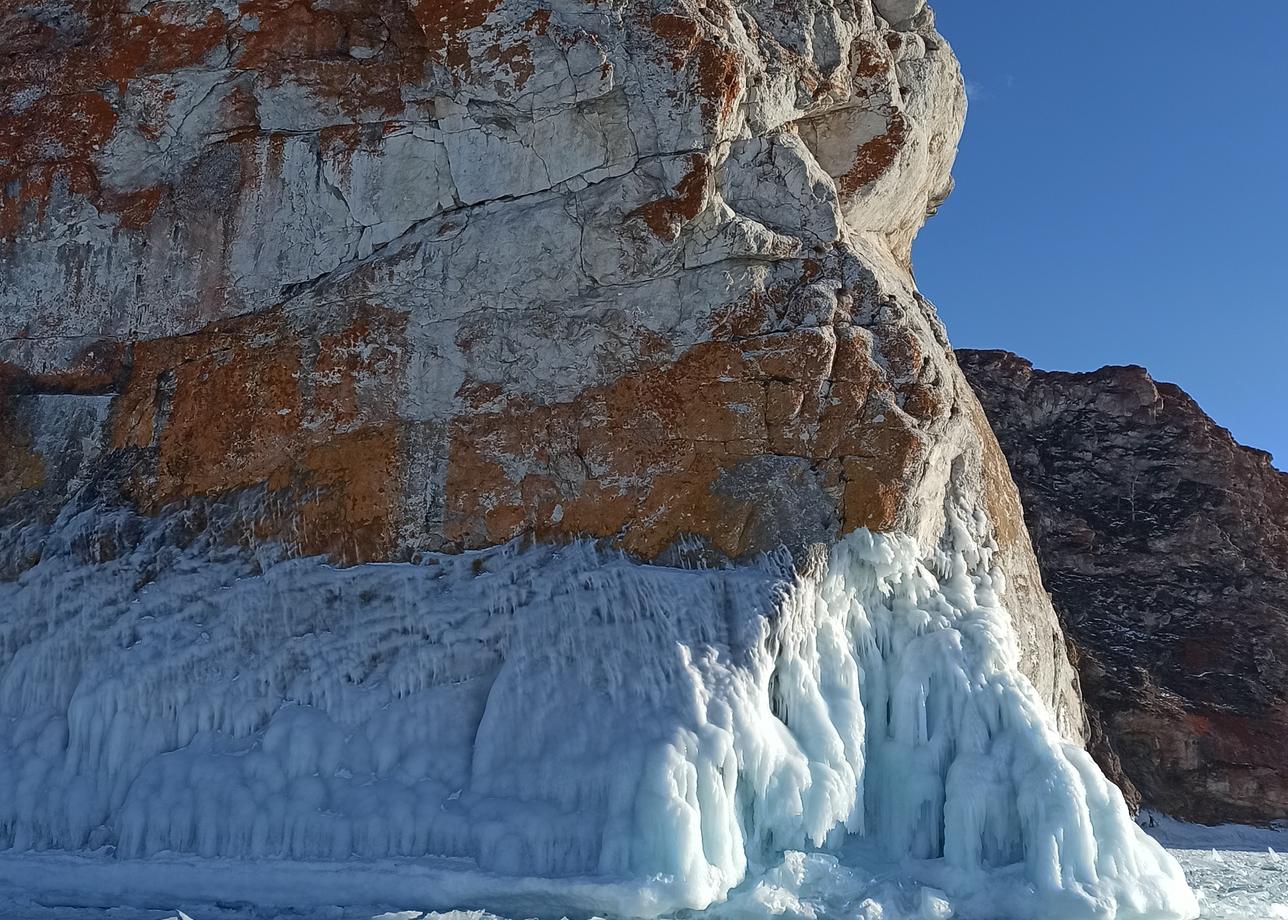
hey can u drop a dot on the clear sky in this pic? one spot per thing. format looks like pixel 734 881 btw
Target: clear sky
pixel 1122 196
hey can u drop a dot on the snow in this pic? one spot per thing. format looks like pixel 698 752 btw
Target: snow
pixel 545 730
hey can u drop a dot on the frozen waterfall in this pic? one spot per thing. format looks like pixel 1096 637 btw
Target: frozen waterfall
pixel 656 737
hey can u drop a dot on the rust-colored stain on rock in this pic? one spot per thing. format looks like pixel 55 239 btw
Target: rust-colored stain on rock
pixel 243 404
pixel 666 217
pixel 447 24
pixel 637 461
pixel 715 72
pixel 875 157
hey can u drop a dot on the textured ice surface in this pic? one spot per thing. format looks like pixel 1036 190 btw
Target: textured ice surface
pixel 1237 882
pixel 577 731
pixel 1238 872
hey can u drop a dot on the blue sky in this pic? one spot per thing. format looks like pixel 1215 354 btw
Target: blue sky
pixel 1122 196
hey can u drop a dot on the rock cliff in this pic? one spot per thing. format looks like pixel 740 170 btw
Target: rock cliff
pixel 1165 545
pixel 370 278
pixel 510 431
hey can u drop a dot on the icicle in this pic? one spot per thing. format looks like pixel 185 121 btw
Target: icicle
pixel 562 712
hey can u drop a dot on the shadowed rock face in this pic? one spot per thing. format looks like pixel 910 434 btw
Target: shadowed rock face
pixel 1165 545
pixel 367 277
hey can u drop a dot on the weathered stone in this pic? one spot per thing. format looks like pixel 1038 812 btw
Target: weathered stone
pixel 1165 545
pixel 378 277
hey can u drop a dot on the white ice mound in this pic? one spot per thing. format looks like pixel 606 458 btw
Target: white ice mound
pixel 656 735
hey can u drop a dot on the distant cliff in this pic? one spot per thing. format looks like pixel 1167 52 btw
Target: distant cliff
pixel 1165 545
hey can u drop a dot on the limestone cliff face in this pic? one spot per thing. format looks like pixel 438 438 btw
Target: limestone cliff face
pixel 1165 545
pixel 371 277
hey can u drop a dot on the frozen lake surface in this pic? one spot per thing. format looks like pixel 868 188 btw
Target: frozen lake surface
pixel 1239 873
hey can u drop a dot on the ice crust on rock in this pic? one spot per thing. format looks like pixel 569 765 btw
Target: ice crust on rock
pixel 562 712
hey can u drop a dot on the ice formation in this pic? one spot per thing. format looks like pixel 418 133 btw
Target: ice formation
pixel 559 712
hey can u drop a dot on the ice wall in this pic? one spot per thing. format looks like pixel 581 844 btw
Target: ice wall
pixel 556 712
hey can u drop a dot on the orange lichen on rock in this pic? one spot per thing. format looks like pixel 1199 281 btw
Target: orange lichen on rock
pixel 682 34
pixel 666 217
pixel 590 473
pixel 348 362
pixel 342 497
pixel 447 24
pixel 875 157
pixel 877 483
pixel 901 349
pixel 289 30
pixel 35 133
pixel 715 71
pixel 463 36
pixel 63 93
pixel 874 61
pixel 163 38
pixel 642 460
pixel 356 55
pixel 234 414
pixel 59 96
pixel 242 404
pixel 47 141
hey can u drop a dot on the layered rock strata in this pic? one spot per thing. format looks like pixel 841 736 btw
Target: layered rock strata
pixel 1165 545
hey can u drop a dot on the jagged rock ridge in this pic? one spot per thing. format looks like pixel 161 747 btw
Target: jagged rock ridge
pixel 1165 545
